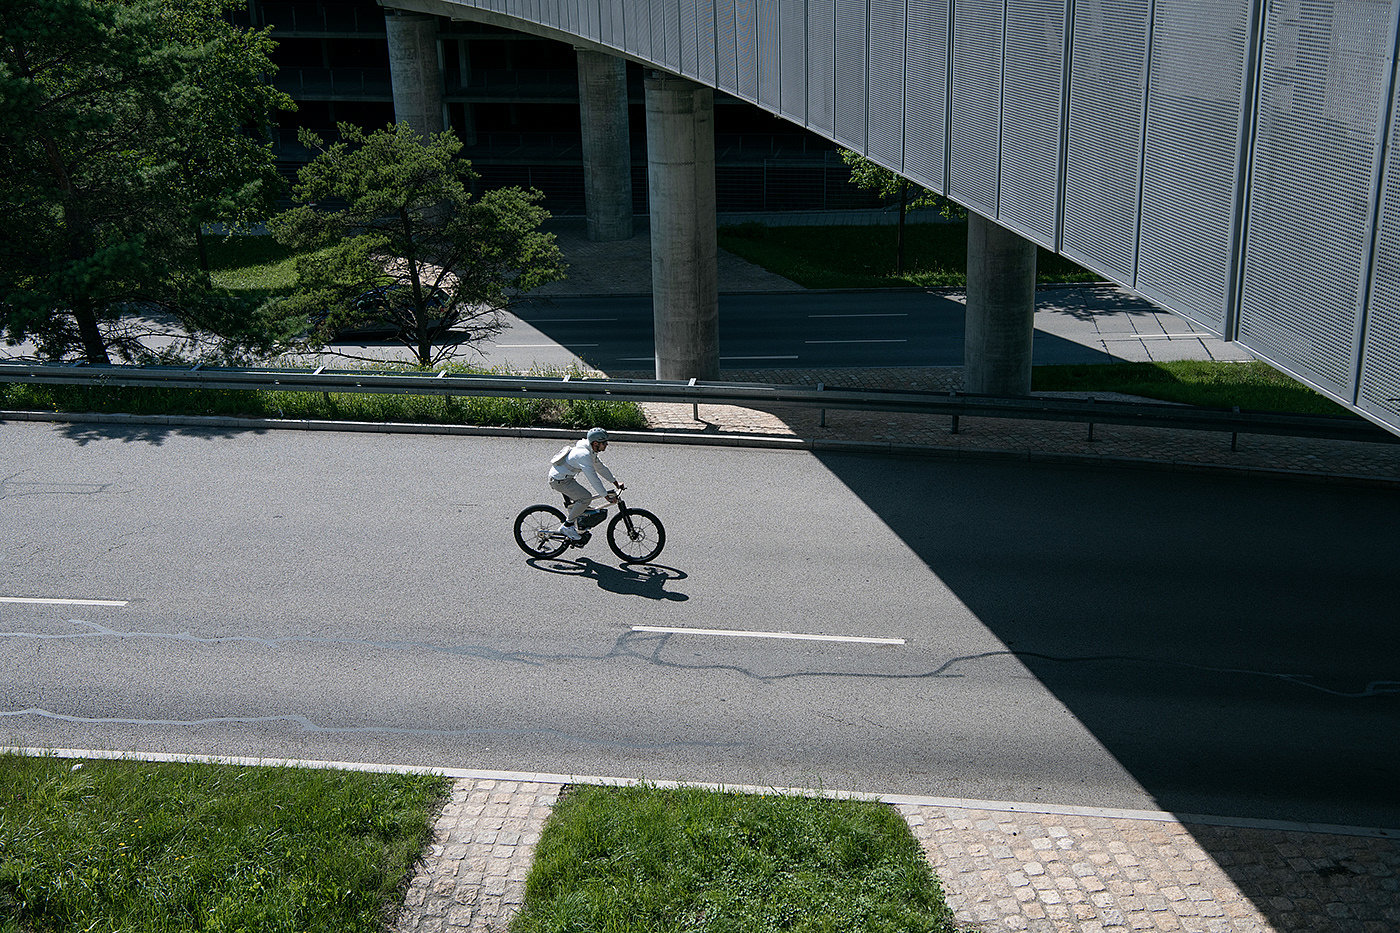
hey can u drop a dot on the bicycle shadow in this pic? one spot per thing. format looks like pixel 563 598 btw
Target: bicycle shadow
pixel 645 580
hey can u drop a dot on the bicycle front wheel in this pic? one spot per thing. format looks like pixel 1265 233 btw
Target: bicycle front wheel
pixel 636 536
pixel 535 531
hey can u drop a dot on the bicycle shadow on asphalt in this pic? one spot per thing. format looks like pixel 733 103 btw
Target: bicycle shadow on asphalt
pixel 645 580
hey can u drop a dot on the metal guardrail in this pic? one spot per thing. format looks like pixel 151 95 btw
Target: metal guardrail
pixel 954 405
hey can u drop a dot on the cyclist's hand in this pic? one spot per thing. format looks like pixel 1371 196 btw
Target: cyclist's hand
pixel 618 484
pixel 612 497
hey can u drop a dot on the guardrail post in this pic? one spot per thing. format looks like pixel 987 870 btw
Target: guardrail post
pixel 694 406
pixel 821 387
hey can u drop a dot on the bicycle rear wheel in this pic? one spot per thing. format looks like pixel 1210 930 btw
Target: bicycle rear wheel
pixel 636 536
pixel 535 528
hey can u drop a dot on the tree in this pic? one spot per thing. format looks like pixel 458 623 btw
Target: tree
pixel 892 186
pixel 389 216
pixel 125 126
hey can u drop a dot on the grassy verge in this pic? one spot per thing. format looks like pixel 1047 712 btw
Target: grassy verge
pixel 935 255
pixel 645 859
pixel 134 846
pixel 1251 386
pixel 334 406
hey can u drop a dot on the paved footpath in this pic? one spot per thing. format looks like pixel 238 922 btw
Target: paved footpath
pixel 1001 869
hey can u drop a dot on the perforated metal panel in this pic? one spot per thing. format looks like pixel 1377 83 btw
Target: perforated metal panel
pixel 746 47
pixel 1191 163
pixel 1380 360
pixel 638 28
pixel 1032 89
pixel 704 40
pixel 885 134
pixel 726 52
pixel 769 65
pixel 821 65
pixel 666 34
pixel 1319 112
pixel 850 74
pixel 613 23
pixel 926 93
pixel 976 104
pixel 792 52
pixel 1103 156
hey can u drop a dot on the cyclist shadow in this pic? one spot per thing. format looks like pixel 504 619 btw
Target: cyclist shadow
pixel 646 580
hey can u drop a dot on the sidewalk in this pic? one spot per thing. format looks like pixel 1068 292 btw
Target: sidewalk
pixel 1004 867
pixel 1001 870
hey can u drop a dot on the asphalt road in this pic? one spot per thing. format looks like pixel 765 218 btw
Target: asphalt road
pixel 849 329
pixel 1197 644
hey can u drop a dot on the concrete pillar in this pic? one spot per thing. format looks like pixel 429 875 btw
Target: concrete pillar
pixel 1000 310
pixel 415 70
pixel 684 254
pixel 607 151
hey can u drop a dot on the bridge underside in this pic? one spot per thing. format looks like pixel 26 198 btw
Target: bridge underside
pixel 1232 162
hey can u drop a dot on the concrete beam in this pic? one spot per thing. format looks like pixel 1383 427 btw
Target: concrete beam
pixel 415 71
pixel 1000 309
pixel 607 150
pixel 684 253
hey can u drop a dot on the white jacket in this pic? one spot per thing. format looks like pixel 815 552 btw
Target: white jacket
pixel 582 459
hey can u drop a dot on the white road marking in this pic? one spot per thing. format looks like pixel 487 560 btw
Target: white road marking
pixel 859 639
pixel 525 346
pixel 897 340
pixel 569 320
pixel 791 357
pixel 872 314
pixel 63 602
pixel 636 359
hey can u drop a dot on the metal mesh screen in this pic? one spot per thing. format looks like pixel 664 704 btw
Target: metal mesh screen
pixel 850 73
pixel 769 63
pixel 726 52
pixel 1033 87
pixel 1103 144
pixel 976 104
pixel 885 135
pixel 926 93
pixel 746 47
pixel 1195 109
pixel 821 66
pixel 1319 110
pixel 792 51
pixel 1380 360
pixel 704 40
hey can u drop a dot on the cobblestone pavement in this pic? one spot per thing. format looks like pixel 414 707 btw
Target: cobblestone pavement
pixel 473 878
pixel 1001 870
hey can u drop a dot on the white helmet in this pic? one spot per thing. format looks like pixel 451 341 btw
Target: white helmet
pixel 597 436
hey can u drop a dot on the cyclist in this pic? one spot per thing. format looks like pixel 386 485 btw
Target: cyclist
pixel 564 469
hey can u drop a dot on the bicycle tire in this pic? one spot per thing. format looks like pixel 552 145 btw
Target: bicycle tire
pixel 636 536
pixel 533 527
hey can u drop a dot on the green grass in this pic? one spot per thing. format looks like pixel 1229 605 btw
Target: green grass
pixel 333 406
pixel 147 848
pixel 254 266
pixel 935 255
pixel 1250 386
pixel 619 860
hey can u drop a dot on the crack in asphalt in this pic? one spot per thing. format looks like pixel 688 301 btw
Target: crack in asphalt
pixel 306 724
pixel 628 645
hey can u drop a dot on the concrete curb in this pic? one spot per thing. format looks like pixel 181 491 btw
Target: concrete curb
pixel 756 441
pixel 918 800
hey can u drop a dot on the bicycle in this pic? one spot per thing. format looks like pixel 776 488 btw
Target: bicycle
pixel 635 535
